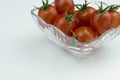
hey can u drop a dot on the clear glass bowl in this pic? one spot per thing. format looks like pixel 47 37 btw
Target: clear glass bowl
pixel 75 47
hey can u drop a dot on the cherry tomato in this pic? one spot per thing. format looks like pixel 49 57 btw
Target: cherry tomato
pixel 115 19
pixel 115 16
pixel 85 13
pixel 85 16
pixel 65 24
pixel 48 14
pixel 85 34
pixel 64 6
pixel 102 22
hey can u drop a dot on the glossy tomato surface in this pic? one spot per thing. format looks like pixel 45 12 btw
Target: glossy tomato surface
pixel 85 34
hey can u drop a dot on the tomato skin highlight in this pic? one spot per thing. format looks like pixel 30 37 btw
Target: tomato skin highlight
pixel 64 6
pixel 49 14
pixel 101 23
pixel 65 26
pixel 85 34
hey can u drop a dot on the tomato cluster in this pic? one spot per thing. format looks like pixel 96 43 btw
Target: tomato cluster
pixel 83 22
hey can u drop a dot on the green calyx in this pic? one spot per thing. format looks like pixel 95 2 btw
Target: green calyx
pixel 68 17
pixel 82 7
pixel 113 7
pixel 101 9
pixel 45 4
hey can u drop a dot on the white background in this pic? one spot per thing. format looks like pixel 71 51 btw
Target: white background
pixel 27 54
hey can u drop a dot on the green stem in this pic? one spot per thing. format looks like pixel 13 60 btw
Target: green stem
pixel 45 4
pixel 68 17
pixel 82 7
pixel 113 7
pixel 101 10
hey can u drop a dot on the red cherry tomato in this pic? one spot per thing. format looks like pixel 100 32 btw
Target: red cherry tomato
pixel 49 14
pixel 67 26
pixel 64 6
pixel 85 16
pixel 102 22
pixel 115 16
pixel 85 13
pixel 115 19
pixel 85 34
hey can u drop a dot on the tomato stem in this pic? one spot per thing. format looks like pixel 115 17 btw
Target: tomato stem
pixel 68 17
pixel 82 7
pixel 77 6
pixel 101 10
pixel 113 7
pixel 45 4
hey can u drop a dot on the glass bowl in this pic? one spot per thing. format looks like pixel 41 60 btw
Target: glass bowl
pixel 75 47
